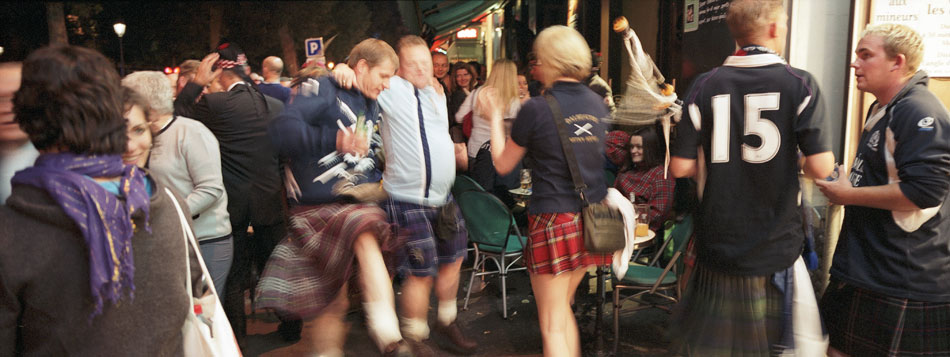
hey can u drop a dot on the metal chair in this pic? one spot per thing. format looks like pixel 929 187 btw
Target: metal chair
pixel 656 279
pixel 492 229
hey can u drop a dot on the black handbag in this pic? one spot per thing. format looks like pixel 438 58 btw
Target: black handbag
pixel 603 225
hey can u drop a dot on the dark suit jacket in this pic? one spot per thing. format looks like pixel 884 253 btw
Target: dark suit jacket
pixel 238 118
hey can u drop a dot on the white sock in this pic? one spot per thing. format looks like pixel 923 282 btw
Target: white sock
pixel 448 310
pixel 416 329
pixel 382 323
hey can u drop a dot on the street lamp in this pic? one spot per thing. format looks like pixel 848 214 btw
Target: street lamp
pixel 120 31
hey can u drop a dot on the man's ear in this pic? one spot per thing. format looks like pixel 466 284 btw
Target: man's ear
pixel 361 66
pixel 900 62
pixel 773 30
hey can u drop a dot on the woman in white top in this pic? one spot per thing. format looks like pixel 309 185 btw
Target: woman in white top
pixel 504 78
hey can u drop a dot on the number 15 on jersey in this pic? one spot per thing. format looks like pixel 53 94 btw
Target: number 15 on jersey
pixel 754 124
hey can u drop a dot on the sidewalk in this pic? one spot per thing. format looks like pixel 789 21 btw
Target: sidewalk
pixel 642 333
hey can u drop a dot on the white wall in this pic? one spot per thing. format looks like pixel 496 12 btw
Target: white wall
pixel 818 43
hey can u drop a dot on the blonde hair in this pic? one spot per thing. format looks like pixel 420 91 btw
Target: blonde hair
pixel 504 78
pixel 410 41
pixel 899 39
pixel 374 52
pixel 563 52
pixel 746 18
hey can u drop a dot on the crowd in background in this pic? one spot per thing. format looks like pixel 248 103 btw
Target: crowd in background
pixel 296 188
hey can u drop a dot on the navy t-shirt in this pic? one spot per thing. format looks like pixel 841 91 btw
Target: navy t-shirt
pixel 535 130
pixel 275 90
pixel 751 116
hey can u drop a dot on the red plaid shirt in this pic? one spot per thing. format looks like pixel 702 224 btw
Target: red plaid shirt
pixel 649 187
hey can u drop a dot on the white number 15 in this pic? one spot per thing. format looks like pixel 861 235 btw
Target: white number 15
pixel 754 125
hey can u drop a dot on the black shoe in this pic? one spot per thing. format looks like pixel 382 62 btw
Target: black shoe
pixel 458 342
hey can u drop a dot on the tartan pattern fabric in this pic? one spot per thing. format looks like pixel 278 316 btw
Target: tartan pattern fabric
pixel 649 186
pixel 727 315
pixel 424 251
pixel 309 267
pixel 616 149
pixel 556 244
pixel 864 323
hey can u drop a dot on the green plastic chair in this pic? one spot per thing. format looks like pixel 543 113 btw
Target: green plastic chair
pixel 656 279
pixel 464 183
pixel 494 232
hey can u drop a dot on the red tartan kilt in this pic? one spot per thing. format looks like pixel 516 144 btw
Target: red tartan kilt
pixel 556 244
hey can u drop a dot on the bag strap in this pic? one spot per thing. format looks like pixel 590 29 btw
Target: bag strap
pixel 190 241
pixel 579 184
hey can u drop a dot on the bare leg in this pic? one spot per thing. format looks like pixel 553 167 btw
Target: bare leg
pixel 556 320
pixel 573 343
pixel 447 283
pixel 328 331
pixel 377 292
pixel 415 306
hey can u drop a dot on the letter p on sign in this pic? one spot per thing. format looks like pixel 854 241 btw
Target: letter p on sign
pixel 314 46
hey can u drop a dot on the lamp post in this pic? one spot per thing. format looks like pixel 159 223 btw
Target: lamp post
pixel 120 31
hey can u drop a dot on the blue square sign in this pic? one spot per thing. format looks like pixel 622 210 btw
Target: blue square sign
pixel 314 46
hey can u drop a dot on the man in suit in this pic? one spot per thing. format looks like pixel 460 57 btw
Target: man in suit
pixel 238 118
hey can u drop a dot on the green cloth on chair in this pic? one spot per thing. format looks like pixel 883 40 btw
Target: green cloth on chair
pixel 514 245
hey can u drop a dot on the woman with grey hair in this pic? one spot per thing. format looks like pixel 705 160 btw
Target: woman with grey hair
pixel 185 156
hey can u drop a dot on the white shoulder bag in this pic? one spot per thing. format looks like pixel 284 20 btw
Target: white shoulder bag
pixel 207 331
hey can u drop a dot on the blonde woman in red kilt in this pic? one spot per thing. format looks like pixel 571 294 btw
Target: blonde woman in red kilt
pixel 555 254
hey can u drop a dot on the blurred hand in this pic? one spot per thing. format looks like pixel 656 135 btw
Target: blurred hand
pixel 344 75
pixel 461 156
pixel 347 142
pixel 203 75
pixel 836 191
pixel 487 104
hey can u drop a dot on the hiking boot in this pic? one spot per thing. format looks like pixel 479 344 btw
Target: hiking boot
pixel 419 348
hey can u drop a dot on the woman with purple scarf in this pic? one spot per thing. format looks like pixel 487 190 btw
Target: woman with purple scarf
pixel 92 247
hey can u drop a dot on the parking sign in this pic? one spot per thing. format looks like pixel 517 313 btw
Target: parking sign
pixel 314 47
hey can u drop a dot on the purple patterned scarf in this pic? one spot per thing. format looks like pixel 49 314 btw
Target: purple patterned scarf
pixel 104 219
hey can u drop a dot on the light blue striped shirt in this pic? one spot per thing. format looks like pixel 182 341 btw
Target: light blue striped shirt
pixel 420 156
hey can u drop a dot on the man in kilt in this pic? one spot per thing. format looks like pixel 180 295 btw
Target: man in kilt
pixel 889 293
pixel 743 128
pixel 327 137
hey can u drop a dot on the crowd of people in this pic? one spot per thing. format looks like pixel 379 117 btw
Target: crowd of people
pixel 295 190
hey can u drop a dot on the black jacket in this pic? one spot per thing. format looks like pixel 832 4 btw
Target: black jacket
pixel 239 118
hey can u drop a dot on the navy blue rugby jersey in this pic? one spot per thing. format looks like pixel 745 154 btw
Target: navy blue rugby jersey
pixel 751 116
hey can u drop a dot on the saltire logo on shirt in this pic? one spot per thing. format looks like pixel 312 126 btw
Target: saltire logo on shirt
pixel 874 140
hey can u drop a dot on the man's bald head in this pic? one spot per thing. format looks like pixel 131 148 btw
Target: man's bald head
pixel 271 69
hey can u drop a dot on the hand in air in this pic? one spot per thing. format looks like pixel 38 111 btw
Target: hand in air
pixel 204 75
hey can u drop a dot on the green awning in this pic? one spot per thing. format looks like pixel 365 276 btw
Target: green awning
pixel 441 17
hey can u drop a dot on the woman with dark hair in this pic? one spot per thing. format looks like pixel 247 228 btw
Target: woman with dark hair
pixel 91 261
pixel 641 176
pixel 464 77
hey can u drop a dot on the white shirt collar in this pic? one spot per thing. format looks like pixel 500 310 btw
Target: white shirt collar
pixel 753 60
pixel 234 84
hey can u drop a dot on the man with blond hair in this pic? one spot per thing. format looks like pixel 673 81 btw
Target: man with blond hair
pixel 890 279
pixel 746 122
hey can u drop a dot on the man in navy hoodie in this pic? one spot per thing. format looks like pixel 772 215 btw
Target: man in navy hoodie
pixel 890 279
pixel 328 139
